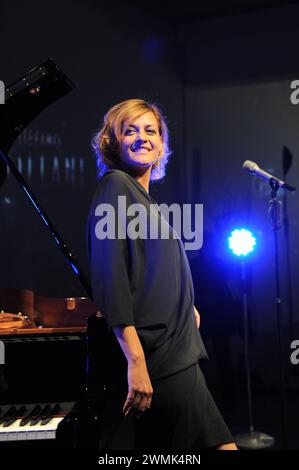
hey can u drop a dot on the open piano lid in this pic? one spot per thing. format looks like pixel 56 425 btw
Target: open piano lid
pixel 26 98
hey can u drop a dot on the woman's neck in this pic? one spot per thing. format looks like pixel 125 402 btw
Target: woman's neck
pixel 142 177
pixel 144 180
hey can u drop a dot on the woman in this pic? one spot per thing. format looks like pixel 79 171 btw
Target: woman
pixel 143 286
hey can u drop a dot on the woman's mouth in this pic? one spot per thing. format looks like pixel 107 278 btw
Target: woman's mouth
pixel 139 149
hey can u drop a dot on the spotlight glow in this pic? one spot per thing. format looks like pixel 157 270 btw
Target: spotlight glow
pixel 241 242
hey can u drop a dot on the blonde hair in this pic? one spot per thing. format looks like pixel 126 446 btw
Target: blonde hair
pixel 106 142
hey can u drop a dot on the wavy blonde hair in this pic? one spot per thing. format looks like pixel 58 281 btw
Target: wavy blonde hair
pixel 106 142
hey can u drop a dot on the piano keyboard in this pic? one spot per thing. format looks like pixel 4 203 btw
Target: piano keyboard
pixel 32 421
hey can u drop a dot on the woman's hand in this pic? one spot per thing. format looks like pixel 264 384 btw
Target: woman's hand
pixel 197 316
pixel 140 392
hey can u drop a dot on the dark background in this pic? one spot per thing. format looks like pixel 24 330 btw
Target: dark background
pixel 222 75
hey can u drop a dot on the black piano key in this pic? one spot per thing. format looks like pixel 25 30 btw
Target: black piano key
pixel 9 422
pixel 8 414
pixel 46 419
pixel 38 417
pixel 19 412
pixel 46 411
pixel 35 411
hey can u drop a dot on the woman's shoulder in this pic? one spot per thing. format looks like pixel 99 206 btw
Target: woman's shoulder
pixel 113 184
pixel 114 178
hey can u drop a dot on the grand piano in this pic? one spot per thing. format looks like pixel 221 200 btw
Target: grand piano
pixel 50 384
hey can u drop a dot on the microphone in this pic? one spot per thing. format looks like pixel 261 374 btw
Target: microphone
pixel 254 169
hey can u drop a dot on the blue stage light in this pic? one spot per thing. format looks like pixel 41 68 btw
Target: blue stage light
pixel 241 242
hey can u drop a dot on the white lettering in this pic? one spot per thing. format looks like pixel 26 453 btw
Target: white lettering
pixel 295 94
pixel 295 354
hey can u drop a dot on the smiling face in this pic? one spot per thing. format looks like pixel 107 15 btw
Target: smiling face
pixel 140 142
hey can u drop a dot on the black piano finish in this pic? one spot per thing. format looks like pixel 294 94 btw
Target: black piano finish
pixel 43 368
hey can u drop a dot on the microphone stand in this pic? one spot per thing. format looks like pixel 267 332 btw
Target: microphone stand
pixel 289 287
pixel 252 440
pixel 275 213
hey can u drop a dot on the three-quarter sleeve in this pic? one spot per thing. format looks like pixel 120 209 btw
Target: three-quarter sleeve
pixel 110 257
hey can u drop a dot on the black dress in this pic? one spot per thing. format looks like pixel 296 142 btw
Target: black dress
pixel 145 281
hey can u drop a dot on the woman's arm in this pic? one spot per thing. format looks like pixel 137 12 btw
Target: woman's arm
pixel 197 316
pixel 140 389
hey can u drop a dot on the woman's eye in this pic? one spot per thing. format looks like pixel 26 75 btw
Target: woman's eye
pixel 131 131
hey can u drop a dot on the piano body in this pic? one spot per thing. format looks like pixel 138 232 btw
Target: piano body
pixel 43 381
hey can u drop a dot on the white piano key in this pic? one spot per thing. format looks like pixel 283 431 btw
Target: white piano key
pixel 15 432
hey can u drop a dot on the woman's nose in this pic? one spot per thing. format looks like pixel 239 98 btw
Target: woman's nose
pixel 141 137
